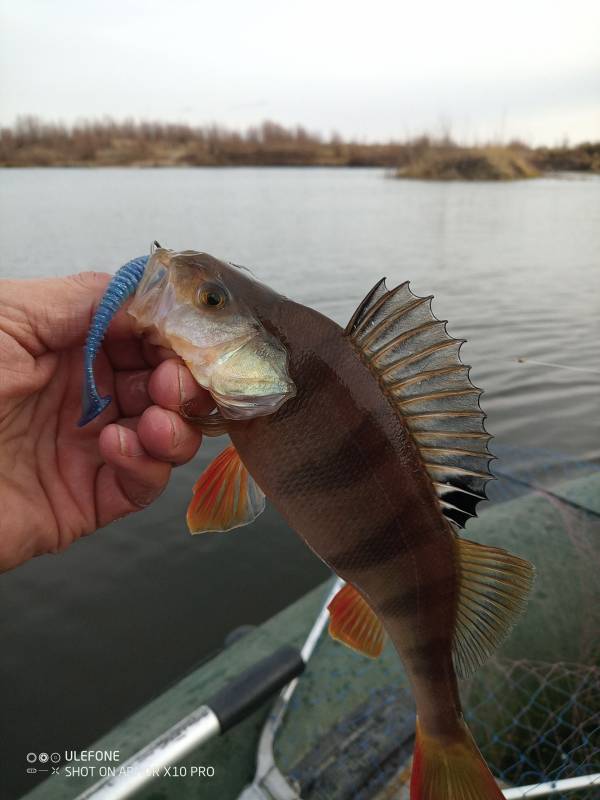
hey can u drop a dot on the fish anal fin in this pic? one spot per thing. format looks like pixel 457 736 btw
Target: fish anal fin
pixel 418 365
pixel 354 623
pixel 225 496
pixel 493 589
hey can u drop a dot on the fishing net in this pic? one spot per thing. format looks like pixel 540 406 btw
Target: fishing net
pixel 534 722
pixel 534 710
pixel 537 721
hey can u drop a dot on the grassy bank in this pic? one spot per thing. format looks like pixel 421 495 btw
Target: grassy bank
pixel 452 162
pixel 32 143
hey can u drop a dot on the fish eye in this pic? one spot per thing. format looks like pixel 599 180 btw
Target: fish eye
pixel 212 295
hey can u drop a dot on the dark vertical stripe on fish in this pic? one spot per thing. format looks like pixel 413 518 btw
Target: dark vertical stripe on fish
pixel 431 594
pixel 365 447
pixel 377 546
pixel 425 656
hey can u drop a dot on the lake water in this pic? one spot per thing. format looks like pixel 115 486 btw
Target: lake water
pixel 90 635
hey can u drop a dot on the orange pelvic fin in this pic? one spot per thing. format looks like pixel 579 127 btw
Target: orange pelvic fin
pixel 450 771
pixel 225 496
pixel 354 623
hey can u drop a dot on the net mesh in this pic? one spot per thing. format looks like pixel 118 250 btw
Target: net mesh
pixel 533 710
pixel 537 722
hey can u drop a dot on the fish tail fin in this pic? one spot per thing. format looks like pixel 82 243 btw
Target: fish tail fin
pixel 450 771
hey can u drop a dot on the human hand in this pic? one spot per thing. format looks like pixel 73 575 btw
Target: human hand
pixel 59 482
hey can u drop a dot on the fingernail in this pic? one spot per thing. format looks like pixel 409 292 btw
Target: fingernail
pixel 128 445
pixel 181 379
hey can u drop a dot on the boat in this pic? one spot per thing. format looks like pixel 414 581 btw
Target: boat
pixel 283 712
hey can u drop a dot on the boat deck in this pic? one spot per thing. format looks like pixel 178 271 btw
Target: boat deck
pixel 348 704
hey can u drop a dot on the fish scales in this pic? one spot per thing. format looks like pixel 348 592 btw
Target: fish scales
pixel 377 524
pixel 370 441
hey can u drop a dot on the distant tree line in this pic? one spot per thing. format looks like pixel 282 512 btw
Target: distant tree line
pixel 33 142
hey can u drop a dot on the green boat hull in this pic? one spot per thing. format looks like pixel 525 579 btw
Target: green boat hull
pixel 338 681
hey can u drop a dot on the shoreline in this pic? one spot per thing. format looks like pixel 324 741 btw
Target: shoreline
pixel 388 173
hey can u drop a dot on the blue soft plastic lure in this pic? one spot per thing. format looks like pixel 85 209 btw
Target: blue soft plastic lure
pixel 119 289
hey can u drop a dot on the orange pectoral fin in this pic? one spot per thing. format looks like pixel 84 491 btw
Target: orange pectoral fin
pixel 354 623
pixel 225 496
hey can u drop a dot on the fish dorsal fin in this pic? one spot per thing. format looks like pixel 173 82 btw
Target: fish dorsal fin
pixel 419 368
pixel 376 293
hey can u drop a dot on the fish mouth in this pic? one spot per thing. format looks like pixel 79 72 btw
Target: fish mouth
pixel 246 376
pixel 229 352
pixel 243 406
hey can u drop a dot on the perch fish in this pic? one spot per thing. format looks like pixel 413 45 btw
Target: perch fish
pixel 370 441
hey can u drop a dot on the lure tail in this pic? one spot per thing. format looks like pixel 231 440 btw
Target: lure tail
pixel 121 286
pixel 454 771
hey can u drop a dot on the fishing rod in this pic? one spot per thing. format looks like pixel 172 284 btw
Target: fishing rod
pixel 232 704
pixel 220 713
pixel 269 783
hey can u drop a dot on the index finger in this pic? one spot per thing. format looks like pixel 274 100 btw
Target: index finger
pixel 172 386
pixel 56 313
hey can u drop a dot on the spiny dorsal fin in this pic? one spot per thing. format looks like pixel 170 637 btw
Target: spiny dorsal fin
pixel 376 293
pixel 493 589
pixel 419 367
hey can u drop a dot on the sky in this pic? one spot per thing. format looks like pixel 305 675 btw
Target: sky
pixel 372 70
